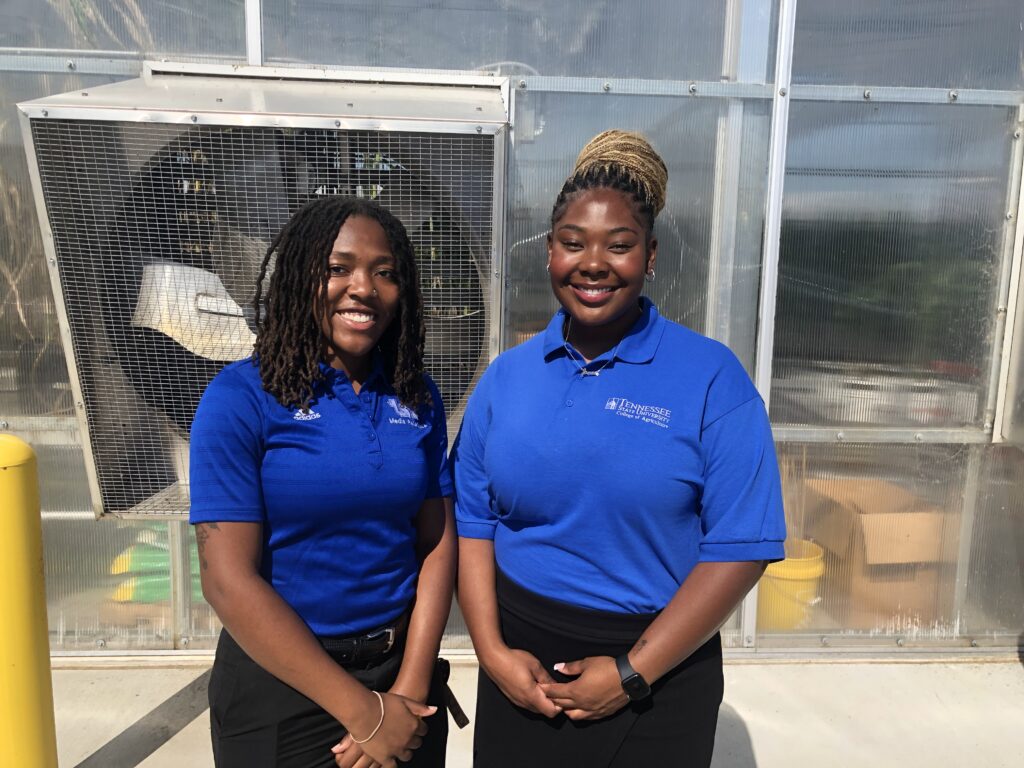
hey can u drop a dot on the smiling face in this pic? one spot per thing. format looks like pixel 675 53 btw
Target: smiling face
pixel 598 254
pixel 362 296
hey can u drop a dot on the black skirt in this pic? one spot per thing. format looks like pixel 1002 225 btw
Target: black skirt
pixel 674 726
pixel 256 721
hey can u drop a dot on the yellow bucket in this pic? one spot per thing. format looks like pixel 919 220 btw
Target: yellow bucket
pixel 789 588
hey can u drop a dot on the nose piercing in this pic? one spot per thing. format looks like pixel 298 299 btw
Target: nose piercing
pixel 374 291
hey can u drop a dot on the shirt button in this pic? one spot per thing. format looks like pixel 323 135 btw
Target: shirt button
pixel 569 403
pixel 371 437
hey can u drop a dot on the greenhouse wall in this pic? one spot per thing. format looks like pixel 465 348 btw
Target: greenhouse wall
pixel 843 211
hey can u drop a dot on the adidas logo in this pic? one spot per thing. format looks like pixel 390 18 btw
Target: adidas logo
pixel 306 415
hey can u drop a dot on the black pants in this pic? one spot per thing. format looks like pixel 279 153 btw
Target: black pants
pixel 259 722
pixel 674 726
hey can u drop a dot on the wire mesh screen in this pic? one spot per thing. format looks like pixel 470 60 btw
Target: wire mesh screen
pixel 159 232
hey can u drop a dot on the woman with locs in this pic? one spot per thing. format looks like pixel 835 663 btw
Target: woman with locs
pixel 617 494
pixel 320 492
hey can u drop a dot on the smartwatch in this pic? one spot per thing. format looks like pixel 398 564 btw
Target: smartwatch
pixel 633 683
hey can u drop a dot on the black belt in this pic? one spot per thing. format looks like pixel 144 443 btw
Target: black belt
pixel 368 647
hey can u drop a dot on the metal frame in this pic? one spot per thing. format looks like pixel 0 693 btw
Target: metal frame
pixel 1002 332
pixel 797 433
pixel 770 251
pixel 53 270
pixel 496 281
pixel 1000 432
pixel 254 32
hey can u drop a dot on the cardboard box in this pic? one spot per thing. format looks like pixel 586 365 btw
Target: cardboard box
pixel 884 553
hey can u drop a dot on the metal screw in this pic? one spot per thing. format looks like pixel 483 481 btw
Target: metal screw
pixel 479 129
pixel 522 84
pixel 45 113
pixel 919 437
pixel 101 643
pixel 194 119
pixel 1016 134
pixel 4 425
pixel 782 91
pixel 1000 310
pixel 1009 215
pixel 867 93
pixel 53 262
pixel 79 405
pixel 692 88
pixel 824 640
pixel 899 642
pixel 840 436
pixel 220 100
pixel 85 93
pixel 749 639
pixel 987 425
pixel 70 65
pixel 607 86
pixel 185 641
pixel 954 95
pixel 974 643
pixel 337 123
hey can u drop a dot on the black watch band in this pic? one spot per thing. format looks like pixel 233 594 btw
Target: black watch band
pixel 633 683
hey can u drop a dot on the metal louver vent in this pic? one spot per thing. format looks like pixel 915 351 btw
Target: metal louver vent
pixel 159 226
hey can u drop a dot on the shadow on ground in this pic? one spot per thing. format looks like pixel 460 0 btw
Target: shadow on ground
pixel 733 748
pixel 152 731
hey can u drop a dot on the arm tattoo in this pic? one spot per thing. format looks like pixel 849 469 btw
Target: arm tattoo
pixel 202 534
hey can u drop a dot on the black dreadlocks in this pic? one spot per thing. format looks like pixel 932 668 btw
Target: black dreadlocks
pixel 289 341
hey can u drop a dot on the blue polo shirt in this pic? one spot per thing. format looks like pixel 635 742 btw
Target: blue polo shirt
pixel 605 491
pixel 336 489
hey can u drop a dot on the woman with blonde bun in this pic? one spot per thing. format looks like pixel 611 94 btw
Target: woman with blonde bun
pixel 617 494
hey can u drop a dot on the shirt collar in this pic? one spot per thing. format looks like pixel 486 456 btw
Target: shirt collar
pixel 374 380
pixel 637 346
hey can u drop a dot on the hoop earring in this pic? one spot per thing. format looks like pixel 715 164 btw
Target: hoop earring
pixel 547 268
pixel 649 277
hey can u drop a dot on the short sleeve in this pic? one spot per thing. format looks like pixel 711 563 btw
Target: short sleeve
pixel 226 453
pixel 741 506
pixel 439 483
pixel 474 513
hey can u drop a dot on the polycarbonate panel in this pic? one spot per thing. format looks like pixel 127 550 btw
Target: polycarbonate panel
pixel 708 265
pixel 145 26
pixel 107 585
pixel 891 245
pixel 936 43
pixel 873 539
pixel 159 232
pixel 33 374
pixel 661 39
pixel 994 604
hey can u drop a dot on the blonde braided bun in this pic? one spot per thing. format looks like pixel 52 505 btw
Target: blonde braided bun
pixel 633 155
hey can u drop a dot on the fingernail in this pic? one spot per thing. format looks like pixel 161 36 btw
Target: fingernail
pixel 336 749
pixel 559 666
pixel 432 709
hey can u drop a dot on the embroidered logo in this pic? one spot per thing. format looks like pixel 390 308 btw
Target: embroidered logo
pixel 306 415
pixel 404 414
pixel 649 414
pixel 402 410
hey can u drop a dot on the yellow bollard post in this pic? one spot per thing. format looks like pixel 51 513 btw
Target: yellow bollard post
pixel 27 735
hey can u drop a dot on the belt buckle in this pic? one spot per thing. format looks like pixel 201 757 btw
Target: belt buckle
pixel 388 632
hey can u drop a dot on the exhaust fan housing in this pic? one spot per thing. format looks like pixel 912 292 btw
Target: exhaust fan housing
pixel 160 196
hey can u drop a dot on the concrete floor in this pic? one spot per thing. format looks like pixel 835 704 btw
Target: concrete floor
pixel 118 713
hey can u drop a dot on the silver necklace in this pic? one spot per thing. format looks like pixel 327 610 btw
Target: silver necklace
pixel 584 371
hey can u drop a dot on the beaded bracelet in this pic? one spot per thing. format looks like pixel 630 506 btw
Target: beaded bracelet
pixel 374 732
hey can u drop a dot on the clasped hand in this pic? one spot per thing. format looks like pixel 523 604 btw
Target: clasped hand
pixel 400 732
pixel 595 693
